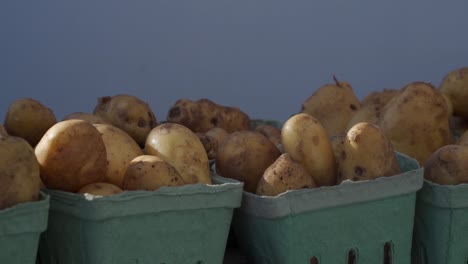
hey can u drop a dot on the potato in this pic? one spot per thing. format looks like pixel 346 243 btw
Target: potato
pixel 458 124
pixel 207 144
pixel 366 154
pixel 92 118
pixel 20 180
pixel 29 119
pixel 211 140
pixel 244 156
pixel 120 150
pixel 3 131
pixel 337 142
pixel 204 114
pixel 448 165
pixel 181 148
pixel 150 173
pixel 463 140
pixel 271 132
pixel 283 175
pixel 416 121
pixel 455 86
pixel 128 113
pixel 380 98
pixel 333 105
pixel 71 155
pixel 306 141
pixel 100 189
pixel 217 134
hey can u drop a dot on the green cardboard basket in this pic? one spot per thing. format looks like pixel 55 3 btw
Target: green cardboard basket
pixel 441 224
pixel 354 222
pixel 187 224
pixel 20 228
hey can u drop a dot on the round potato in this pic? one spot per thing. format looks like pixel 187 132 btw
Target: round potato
pixel 128 113
pixel 448 165
pixel 455 87
pixel 215 135
pixel 100 189
pixel 20 181
pixel 283 175
pixel 150 173
pixel 29 119
pixel 181 148
pixel 92 118
pixel 120 150
pixel 306 141
pixel 366 154
pixel 71 155
pixel 244 156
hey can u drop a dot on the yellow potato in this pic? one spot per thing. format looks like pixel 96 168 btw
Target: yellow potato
pixel 100 188
pixel 120 150
pixel 366 154
pixel 306 141
pixel 448 165
pixel 455 87
pixel 128 113
pixel 333 105
pixel 181 148
pixel 283 175
pixel 149 173
pixel 92 118
pixel 20 181
pixel 29 119
pixel 71 155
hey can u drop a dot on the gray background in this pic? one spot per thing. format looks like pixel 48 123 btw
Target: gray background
pixel 264 56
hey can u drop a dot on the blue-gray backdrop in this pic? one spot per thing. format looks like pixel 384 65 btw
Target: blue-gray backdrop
pixel 264 56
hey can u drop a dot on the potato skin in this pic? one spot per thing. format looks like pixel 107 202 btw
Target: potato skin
pixel 181 148
pixel 71 155
pixel 366 154
pixel 333 105
pixel 128 113
pixel 20 180
pixel 244 156
pixel 306 141
pixel 92 118
pixel 448 165
pixel 271 132
pixel 455 86
pixel 463 140
pixel 100 188
pixel 150 173
pixel 29 119
pixel 120 150
pixel 283 175
pixel 416 121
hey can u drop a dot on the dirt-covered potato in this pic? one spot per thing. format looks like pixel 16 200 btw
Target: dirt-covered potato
pixel 306 141
pixel 337 142
pixel 100 188
pixel 120 150
pixel 271 132
pixel 207 144
pixel 204 114
pixel 71 155
pixel 181 148
pixel 216 136
pixel 463 140
pixel 333 105
pixel 20 181
pixel 92 118
pixel 455 86
pixel 244 156
pixel 380 98
pixel 150 173
pixel 366 154
pixel 448 165
pixel 128 113
pixel 416 121
pixel 29 119
pixel 283 175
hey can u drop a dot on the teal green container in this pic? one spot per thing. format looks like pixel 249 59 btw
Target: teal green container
pixel 20 228
pixel 187 224
pixel 365 222
pixel 441 224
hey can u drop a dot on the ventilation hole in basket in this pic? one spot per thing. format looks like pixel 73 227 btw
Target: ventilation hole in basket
pixel 388 253
pixel 352 256
pixel 314 260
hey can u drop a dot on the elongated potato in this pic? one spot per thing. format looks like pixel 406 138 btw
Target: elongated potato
pixel 71 155
pixel 121 148
pixel 306 141
pixel 181 148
